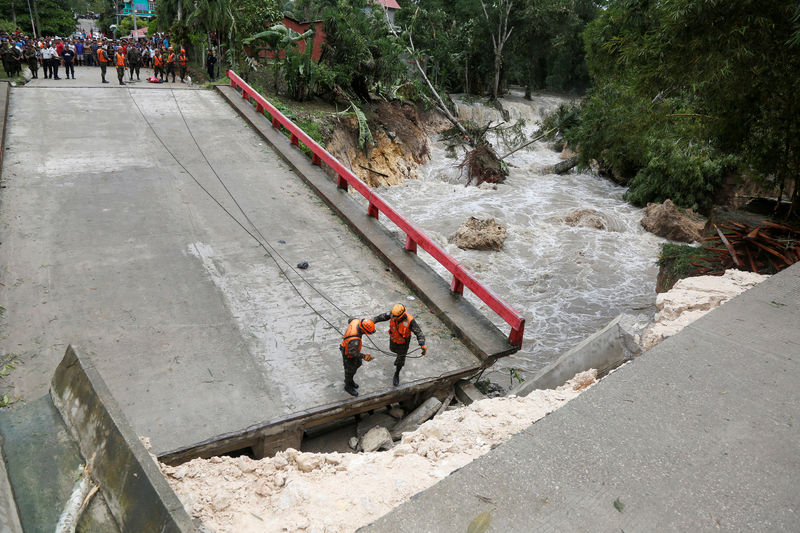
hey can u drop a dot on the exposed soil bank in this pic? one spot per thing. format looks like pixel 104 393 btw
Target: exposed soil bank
pixel 336 492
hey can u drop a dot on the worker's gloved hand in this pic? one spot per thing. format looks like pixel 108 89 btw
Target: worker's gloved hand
pixel 424 349
pixel 367 357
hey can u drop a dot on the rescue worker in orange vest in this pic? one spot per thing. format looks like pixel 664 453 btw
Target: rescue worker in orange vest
pixel 351 351
pixel 102 58
pixel 182 59
pixel 401 325
pixel 120 63
pixel 171 65
pixel 158 65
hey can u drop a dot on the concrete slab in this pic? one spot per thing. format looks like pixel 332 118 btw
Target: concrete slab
pixel 42 463
pixel 701 433
pixel 9 518
pixel 90 77
pixel 109 244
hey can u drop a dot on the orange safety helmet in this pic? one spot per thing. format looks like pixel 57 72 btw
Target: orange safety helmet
pixel 368 326
pixel 398 310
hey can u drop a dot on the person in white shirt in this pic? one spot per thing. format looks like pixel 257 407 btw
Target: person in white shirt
pixel 47 55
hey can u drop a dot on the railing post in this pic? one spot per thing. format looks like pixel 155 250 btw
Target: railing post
pixel 275 123
pixel 260 108
pixel 515 337
pixel 315 159
pixel 372 210
pixel 293 139
pixel 411 244
pixel 457 285
pixel 342 183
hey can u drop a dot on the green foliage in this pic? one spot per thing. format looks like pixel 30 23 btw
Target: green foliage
pixel 54 19
pixel 566 117
pixel 363 57
pixel 676 261
pixel 126 25
pixel 7 26
pixel 685 90
pixel 365 139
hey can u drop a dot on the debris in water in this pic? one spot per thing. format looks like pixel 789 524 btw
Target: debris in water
pixel 483 165
pixel 765 249
pixel 302 265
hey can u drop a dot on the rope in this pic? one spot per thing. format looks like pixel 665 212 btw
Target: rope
pixel 260 239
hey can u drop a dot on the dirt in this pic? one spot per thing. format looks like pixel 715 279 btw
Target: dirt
pixel 665 220
pixel 588 218
pixel 340 492
pixel 401 146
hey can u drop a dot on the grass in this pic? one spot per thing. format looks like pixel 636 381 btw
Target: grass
pixel 7 365
pixel 679 261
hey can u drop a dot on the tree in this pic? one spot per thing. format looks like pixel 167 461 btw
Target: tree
pixel 501 11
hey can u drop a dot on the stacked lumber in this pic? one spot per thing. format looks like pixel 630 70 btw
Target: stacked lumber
pixel 764 249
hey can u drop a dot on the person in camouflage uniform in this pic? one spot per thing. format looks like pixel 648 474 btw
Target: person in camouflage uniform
pixel 134 57
pixel 401 325
pixel 351 351
pixel 33 62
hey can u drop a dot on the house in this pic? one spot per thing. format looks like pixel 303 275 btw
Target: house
pixel 143 8
pixel 317 40
pixel 391 6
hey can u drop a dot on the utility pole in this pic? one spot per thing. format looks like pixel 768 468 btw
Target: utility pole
pixel 33 26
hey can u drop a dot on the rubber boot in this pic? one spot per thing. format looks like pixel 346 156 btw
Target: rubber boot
pixel 396 378
pixel 349 389
pixel 355 385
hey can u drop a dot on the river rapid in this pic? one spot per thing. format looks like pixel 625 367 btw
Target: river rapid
pixel 567 282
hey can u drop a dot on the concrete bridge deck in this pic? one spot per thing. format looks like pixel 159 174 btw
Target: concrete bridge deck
pixel 700 433
pixel 109 244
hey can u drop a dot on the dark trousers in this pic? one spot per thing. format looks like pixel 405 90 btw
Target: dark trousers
pixel 34 66
pixel 400 350
pixel 183 72
pixel 89 59
pixel 48 68
pixel 211 72
pixel 55 63
pixel 134 69
pixel 103 67
pixel 159 72
pixel 351 366
pixel 69 67
pixel 120 74
pixel 171 70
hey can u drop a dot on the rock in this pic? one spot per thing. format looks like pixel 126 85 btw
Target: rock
pixel 375 420
pixel 353 443
pixel 665 220
pixel 419 415
pixel 588 218
pixel 476 234
pixel 376 438
pixel 396 412
pixel 308 462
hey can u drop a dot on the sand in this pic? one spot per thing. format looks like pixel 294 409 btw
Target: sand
pixel 336 492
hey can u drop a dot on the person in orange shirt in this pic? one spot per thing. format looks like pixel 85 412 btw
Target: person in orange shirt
pixel 171 64
pixel 158 65
pixel 182 61
pixel 120 63
pixel 103 59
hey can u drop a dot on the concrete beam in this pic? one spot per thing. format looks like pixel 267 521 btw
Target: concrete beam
pixel 603 350
pixel 9 518
pixel 137 494
pixel 467 392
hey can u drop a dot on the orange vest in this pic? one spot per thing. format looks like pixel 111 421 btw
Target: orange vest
pixel 158 61
pixel 352 332
pixel 101 56
pixel 120 59
pixel 400 332
pixel 171 58
pixel 182 60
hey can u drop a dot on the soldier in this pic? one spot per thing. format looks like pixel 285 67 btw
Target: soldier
pixel 7 60
pixel 32 61
pixel 401 326
pixel 134 57
pixel 182 60
pixel 351 351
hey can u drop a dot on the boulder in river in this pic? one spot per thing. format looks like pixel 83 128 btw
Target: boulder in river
pixel 476 234
pixel 588 218
pixel 665 220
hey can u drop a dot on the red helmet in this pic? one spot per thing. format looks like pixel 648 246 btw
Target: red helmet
pixel 367 326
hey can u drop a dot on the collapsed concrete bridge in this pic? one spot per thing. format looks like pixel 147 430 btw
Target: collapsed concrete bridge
pixel 151 228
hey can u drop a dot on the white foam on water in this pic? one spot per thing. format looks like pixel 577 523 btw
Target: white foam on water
pixel 567 282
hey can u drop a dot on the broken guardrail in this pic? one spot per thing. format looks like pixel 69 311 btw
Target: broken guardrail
pixel 414 236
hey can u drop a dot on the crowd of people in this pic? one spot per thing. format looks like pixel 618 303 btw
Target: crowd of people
pixel 124 55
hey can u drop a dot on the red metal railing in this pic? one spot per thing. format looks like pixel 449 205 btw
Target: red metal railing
pixel 414 236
